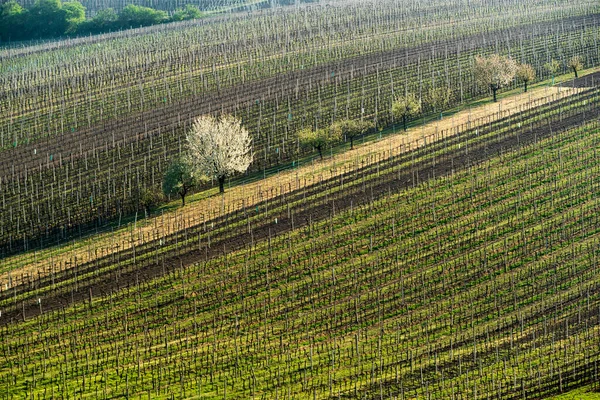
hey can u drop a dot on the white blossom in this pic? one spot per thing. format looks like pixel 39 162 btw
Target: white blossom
pixel 219 147
pixel 494 71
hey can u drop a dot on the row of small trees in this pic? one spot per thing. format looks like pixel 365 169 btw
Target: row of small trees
pixel 498 71
pixel 217 148
pixel 494 72
pixel 220 147
pixel 404 108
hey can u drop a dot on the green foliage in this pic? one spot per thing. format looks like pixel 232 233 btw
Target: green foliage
pixel 351 129
pixel 104 21
pixel 552 67
pixel 74 15
pixel 146 199
pixel 12 21
pixel 136 16
pixel 439 98
pixel 179 179
pixel 189 12
pixel 406 107
pixel 525 74
pixel 51 18
pixel 47 19
pixel 319 139
pixel 584 393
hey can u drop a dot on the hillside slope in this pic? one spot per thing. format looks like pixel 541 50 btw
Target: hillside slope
pixel 482 282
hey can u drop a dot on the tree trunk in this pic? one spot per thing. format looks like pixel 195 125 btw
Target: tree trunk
pixel 221 184
pixel 575 70
pixel 404 122
pixel 525 86
pixel 320 149
pixel 182 194
pixel 494 90
pixel 351 142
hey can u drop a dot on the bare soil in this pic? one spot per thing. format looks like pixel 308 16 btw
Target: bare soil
pixel 588 81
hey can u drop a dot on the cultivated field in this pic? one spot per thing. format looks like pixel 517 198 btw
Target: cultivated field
pixel 81 110
pixel 455 260
pixel 476 282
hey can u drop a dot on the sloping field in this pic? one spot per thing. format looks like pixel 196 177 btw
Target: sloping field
pixel 457 260
pixel 214 226
pixel 250 194
pixel 481 282
pixel 85 132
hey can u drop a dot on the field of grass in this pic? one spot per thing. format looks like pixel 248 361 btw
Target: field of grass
pixel 585 393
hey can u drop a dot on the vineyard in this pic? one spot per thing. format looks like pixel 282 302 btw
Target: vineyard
pixel 455 259
pixel 94 6
pixel 463 266
pixel 81 110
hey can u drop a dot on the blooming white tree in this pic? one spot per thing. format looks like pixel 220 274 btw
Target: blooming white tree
pixel 219 147
pixel 494 71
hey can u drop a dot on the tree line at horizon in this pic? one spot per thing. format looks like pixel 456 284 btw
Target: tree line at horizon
pixel 54 18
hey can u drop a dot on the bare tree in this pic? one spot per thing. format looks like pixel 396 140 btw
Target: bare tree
pixel 576 64
pixel 219 148
pixel 494 72
pixel 405 107
pixel 525 74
